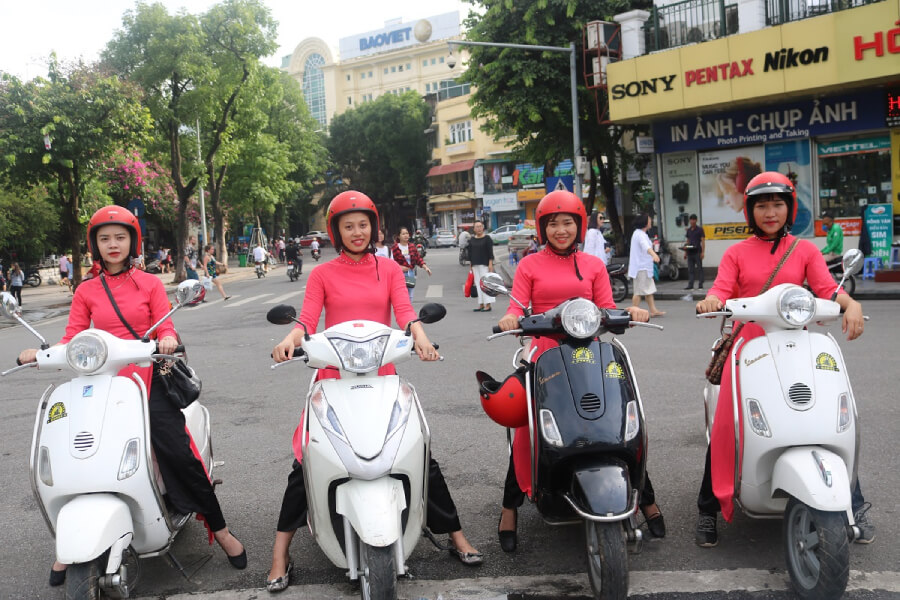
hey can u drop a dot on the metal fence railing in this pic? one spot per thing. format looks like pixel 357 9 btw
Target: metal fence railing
pixel 688 22
pixel 784 11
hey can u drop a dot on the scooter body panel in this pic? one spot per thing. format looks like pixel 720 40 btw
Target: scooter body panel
pixel 90 524
pixel 373 509
pixel 814 476
pixel 602 488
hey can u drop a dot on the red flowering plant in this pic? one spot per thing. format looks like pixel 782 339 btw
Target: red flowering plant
pixel 128 176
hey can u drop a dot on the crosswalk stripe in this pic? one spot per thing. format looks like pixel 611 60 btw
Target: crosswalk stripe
pixel 435 291
pixel 247 300
pixel 203 305
pixel 285 297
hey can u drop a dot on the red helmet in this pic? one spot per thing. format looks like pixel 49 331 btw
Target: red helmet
pixel 349 201
pixel 560 201
pixel 114 215
pixel 505 402
pixel 770 182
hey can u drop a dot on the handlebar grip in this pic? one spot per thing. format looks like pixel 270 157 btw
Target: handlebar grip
pixel 496 329
pixel 298 352
pixel 179 349
pixel 436 346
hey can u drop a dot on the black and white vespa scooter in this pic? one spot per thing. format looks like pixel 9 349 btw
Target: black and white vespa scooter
pixel 366 449
pixel 793 400
pixel 587 431
pixel 92 467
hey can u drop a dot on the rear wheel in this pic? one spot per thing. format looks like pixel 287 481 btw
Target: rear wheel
pixel 379 578
pixel 619 287
pixel 607 560
pixel 83 581
pixel 34 280
pixel 817 550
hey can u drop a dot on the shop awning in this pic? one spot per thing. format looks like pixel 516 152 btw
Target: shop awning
pixel 463 165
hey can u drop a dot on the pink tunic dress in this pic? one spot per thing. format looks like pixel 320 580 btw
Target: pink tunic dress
pixel 544 280
pixel 744 269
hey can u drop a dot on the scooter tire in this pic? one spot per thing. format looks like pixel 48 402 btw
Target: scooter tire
pixel 819 571
pixel 619 287
pixel 379 581
pixel 83 580
pixel 34 280
pixel 607 560
pixel 671 271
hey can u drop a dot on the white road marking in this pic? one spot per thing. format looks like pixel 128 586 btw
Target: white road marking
pixel 230 304
pixel 435 291
pixel 203 305
pixel 281 299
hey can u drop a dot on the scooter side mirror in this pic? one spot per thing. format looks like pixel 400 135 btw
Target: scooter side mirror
pixel 492 285
pixel 187 291
pixel 852 261
pixel 9 305
pixel 432 312
pixel 284 314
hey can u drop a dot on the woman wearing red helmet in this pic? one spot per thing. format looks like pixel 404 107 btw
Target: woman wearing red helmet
pixel 335 286
pixel 545 279
pixel 770 207
pixel 113 235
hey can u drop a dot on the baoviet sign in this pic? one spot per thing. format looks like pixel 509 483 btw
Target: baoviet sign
pixel 821 54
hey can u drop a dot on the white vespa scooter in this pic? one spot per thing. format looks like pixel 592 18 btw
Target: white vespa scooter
pixel 365 449
pixel 793 400
pixel 92 468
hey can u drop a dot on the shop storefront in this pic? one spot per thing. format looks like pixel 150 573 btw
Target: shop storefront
pixel 815 103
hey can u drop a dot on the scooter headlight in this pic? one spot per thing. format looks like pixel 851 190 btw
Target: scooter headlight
pixel 131 459
pixel 360 356
pixel 86 353
pixel 797 306
pixel 581 318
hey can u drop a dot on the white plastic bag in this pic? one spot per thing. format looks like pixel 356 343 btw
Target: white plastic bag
pixel 206 282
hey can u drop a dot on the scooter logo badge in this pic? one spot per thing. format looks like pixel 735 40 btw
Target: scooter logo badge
pixel 87 391
pixel 614 371
pixel 582 355
pixel 56 412
pixel 826 362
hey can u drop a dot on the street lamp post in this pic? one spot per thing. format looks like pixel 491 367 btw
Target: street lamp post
pixel 573 82
pixel 202 197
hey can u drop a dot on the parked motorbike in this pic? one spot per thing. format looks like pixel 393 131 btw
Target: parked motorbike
pixel 422 249
pixel 589 462
pixel 91 462
pixel 618 281
pixel 464 255
pixel 153 266
pixel 797 459
pixel 294 269
pixel 365 450
pixel 32 277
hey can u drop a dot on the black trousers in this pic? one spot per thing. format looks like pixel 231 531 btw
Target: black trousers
pixel 441 515
pixel 513 496
pixel 187 486
pixel 708 503
pixel 695 267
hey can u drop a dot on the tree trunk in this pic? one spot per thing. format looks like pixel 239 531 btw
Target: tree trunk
pixel 69 183
pixel 215 205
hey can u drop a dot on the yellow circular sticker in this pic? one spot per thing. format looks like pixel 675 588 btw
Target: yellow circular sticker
pixel 614 371
pixel 56 412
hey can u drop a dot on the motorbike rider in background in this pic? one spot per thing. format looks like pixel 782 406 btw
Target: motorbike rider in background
pixel 293 254
pixel 834 242
pixel 556 273
pixel 770 207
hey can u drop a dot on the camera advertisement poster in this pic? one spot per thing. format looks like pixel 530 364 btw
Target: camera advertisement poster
pixel 792 160
pixel 682 191
pixel 724 175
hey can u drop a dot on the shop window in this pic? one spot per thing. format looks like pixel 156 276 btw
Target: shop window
pixel 441 60
pixel 425 63
pixel 362 75
pixel 400 68
pixel 385 70
pixel 851 170
pixel 370 74
pixel 432 61
pixel 393 68
pixel 348 77
pixel 409 66
pixel 349 100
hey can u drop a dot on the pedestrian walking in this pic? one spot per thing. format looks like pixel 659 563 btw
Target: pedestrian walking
pixel 381 249
pixel 209 265
pixel 594 242
pixel 481 258
pixel 694 251
pixel 70 272
pixel 406 255
pixel 64 270
pixel 640 264
pixel 16 281
pixel 190 258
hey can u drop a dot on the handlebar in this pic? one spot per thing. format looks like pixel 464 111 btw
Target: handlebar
pixel 496 329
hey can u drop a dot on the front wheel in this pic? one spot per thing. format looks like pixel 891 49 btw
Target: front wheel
pixel 34 280
pixel 83 580
pixel 379 578
pixel 619 287
pixel 671 271
pixel 817 550
pixel 607 560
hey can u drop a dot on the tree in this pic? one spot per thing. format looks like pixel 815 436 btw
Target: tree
pixel 29 223
pixel 58 131
pixel 528 93
pixel 381 148
pixel 193 68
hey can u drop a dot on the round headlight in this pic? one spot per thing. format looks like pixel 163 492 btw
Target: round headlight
pixel 86 353
pixel 581 318
pixel 797 306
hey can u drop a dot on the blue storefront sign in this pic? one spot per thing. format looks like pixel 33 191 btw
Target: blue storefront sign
pixel 772 123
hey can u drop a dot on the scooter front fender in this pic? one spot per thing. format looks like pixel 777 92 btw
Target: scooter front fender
pixel 90 524
pixel 373 509
pixel 602 492
pixel 815 476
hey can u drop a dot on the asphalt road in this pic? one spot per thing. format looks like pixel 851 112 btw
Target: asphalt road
pixel 254 411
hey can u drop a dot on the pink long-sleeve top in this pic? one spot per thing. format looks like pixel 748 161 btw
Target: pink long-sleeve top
pixel 545 279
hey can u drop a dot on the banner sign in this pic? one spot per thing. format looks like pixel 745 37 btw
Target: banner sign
pixel 880 223
pixel 397 34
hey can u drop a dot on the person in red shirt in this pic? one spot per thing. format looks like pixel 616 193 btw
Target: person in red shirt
pixel 544 279
pixel 356 285
pixel 114 235
pixel 770 207
pixel 408 257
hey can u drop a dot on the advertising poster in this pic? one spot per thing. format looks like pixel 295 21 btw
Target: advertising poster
pixel 724 175
pixel 681 192
pixel 880 223
pixel 792 159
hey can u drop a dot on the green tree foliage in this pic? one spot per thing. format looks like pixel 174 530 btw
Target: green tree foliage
pixel 58 131
pixel 380 147
pixel 528 93
pixel 29 224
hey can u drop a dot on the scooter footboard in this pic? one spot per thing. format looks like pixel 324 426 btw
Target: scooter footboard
pixel 373 508
pixel 89 525
pixel 603 492
pixel 815 476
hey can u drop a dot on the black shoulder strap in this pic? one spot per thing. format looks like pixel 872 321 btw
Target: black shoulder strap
pixel 116 307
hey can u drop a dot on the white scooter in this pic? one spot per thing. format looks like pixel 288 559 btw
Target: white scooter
pixel 793 400
pixel 366 449
pixel 92 468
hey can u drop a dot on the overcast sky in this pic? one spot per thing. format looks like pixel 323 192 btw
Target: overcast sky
pixel 31 29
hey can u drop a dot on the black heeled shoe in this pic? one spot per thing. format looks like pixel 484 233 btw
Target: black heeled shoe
pixel 239 562
pixel 508 539
pixel 656 525
pixel 57 578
